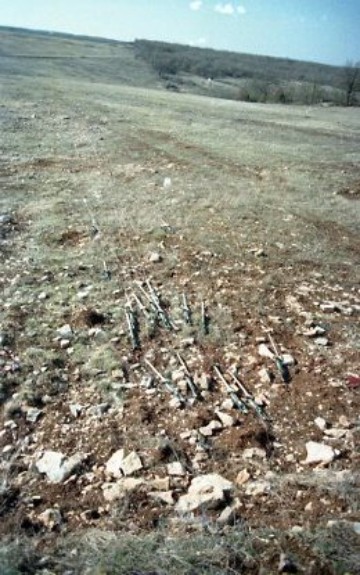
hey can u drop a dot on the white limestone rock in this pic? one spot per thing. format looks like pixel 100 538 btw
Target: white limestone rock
pixel 163 497
pixel 114 464
pixel 205 492
pixel 211 428
pixel 65 332
pixel 319 453
pixel 176 468
pixel 119 465
pixel 264 351
pixel 242 477
pixel 154 257
pixel 254 453
pixel 120 489
pixel 256 488
pixel 321 423
pixel 57 467
pixel 131 463
pixel 226 419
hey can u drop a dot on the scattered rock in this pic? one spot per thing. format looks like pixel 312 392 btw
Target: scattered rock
pixel 33 414
pixel 57 467
pixel 114 464
pixel 227 404
pixel 265 376
pixel 205 492
pixel 344 422
pixel 242 477
pixel 335 433
pixel 163 496
pixel 84 293
pixel 199 458
pixel 329 307
pixel 50 518
pixel 175 403
pixel 319 453
pixel 120 489
pixel 203 381
pixel 293 304
pixel 176 468
pixel 254 453
pixel 261 400
pixel 315 331
pixel 155 258
pixel 76 409
pixel 256 488
pixel 43 296
pixel 160 483
pixel 65 332
pixel 177 375
pixel 264 351
pixel 119 465
pixel 297 529
pixel 211 428
pixel 226 419
pixel 227 516
pixel 98 334
pixel 321 423
pixel 10 423
pixel 187 342
pixel 323 341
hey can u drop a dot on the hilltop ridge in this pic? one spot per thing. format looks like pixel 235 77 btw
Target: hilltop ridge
pixel 175 67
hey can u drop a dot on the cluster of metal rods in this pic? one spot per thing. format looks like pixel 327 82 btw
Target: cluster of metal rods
pixel 155 313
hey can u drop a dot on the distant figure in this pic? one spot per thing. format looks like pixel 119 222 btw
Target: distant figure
pixel 209 82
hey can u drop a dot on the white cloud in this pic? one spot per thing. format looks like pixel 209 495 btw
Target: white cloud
pixel 241 10
pixel 227 9
pixel 195 5
pixel 198 42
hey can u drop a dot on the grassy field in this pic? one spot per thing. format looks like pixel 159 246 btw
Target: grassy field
pixel 233 162
pixel 252 209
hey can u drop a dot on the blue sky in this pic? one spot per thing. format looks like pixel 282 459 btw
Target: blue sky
pixel 319 30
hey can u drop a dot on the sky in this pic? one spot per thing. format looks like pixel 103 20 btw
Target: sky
pixel 325 31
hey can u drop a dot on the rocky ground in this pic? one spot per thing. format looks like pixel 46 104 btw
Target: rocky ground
pixel 168 386
pixel 110 424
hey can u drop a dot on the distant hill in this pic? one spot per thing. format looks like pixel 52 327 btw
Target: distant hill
pixel 174 67
pixel 248 76
pixel 175 58
pixel 57 55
